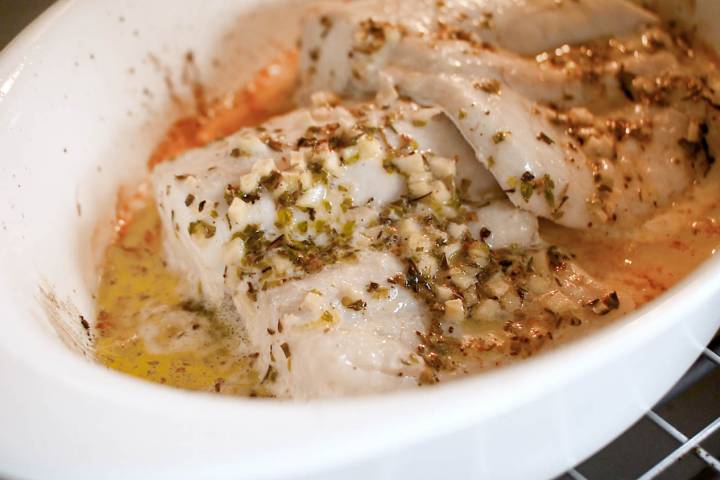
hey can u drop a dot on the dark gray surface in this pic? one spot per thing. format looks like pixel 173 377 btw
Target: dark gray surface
pixel 645 443
pixel 638 449
pixel 15 14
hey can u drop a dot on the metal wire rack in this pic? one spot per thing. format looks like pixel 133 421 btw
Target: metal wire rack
pixel 656 447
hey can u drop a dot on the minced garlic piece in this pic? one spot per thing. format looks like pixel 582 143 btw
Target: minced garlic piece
pixel 442 167
pixel 249 182
pixel 234 251
pixel 263 167
pixel 558 302
pixel 440 192
pixel 419 184
pixel 249 146
pixel 443 292
pixel 497 286
pixel 324 99
pixel 457 231
pixel 450 250
pixel 411 164
pixel 312 197
pixel 538 285
pixel 454 310
pixel 238 211
pixel 281 264
pixel 312 302
pixel 461 277
pixel 297 161
pixel 331 162
pixel 369 149
pixel 486 310
pixel 427 264
pixel 479 253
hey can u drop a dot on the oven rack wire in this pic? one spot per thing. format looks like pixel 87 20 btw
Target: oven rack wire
pixel 709 360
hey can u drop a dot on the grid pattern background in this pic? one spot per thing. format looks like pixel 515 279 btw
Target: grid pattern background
pixel 678 439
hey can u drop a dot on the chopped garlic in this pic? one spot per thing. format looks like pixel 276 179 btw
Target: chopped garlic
pixel 427 264
pixel 415 240
pixel 457 231
pixel 462 278
pixel 600 146
pixel 440 192
pixel 312 302
pixel 369 149
pixel 486 310
pixel 312 197
pixel 234 251
pixel 580 116
pixel 540 263
pixel 408 227
pixel 331 162
pixel 470 296
pixel 250 145
pixel 537 284
pixel 419 184
pixel 263 167
pixel 479 253
pixel 410 164
pixel 281 264
pixel 386 94
pixel 497 286
pixel 249 182
pixel 443 292
pixel 454 310
pixel 451 250
pixel 306 180
pixel 424 114
pixel 297 160
pixel 238 211
pixel 693 131
pixel 442 167
pixel 511 301
pixel 558 302
pixel 324 99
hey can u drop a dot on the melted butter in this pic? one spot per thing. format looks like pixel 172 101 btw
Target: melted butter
pixel 146 328
pixel 645 261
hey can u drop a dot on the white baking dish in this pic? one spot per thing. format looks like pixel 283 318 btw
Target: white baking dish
pixel 83 99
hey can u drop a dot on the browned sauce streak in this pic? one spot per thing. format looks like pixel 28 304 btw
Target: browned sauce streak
pixel 270 92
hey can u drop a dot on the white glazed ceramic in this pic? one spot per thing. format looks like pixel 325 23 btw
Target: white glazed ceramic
pixel 76 122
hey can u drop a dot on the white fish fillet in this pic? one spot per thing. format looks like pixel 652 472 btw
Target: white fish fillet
pixel 519 26
pixel 310 344
pixel 467 58
pixel 315 347
pixel 202 174
pixel 504 135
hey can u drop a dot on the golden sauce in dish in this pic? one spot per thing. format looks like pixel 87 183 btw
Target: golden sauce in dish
pixel 147 327
pixel 646 261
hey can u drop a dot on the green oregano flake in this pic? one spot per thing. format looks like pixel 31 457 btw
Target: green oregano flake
pixel 500 136
pixel 201 227
pixel 549 190
pixel 527 185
